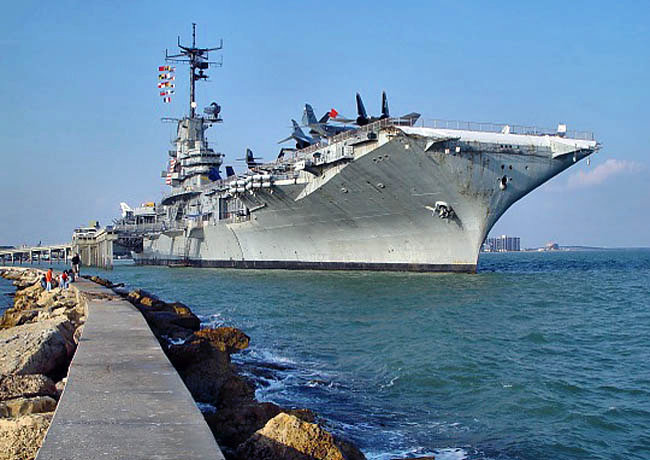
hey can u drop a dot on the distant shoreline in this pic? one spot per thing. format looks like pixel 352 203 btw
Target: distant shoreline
pixel 570 249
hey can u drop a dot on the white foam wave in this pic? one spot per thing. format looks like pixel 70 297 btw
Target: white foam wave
pixel 206 408
pixel 269 357
pixel 212 321
pixel 390 383
pixel 171 341
pixel 449 453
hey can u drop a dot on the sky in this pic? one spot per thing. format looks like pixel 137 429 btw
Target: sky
pixel 80 120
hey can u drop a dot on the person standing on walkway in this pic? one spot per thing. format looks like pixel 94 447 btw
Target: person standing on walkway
pixel 76 262
pixel 48 280
pixel 64 279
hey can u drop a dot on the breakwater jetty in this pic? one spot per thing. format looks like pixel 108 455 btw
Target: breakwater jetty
pixel 123 398
pixel 140 370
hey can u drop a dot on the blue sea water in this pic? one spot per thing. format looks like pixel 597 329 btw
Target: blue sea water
pixel 6 289
pixel 539 355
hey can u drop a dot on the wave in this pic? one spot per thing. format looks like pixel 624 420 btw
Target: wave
pixel 212 321
pixel 448 453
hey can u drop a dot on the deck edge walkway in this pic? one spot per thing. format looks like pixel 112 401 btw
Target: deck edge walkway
pixel 123 398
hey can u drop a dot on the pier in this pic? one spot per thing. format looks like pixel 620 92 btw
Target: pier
pixel 56 253
pixel 95 250
pixel 123 398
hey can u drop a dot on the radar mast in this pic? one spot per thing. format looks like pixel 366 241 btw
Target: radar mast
pixel 198 59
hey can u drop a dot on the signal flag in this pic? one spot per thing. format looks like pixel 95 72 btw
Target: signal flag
pixel 166 68
pixel 167 100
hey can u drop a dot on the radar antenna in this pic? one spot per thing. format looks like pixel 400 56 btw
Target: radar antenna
pixel 198 59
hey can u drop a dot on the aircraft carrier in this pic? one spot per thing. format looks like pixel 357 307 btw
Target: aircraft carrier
pixel 370 193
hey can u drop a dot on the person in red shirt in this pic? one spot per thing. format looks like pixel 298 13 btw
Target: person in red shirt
pixel 64 280
pixel 48 280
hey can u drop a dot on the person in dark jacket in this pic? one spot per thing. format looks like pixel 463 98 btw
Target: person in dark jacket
pixel 76 263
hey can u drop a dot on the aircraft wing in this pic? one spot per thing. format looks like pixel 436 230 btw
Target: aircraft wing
pixel 286 139
pixel 343 120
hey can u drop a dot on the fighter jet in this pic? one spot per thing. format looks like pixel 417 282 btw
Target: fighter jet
pixel 302 139
pixel 321 127
pixel 363 118
pixel 251 161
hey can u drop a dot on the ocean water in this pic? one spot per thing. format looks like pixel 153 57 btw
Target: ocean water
pixel 539 355
pixel 6 289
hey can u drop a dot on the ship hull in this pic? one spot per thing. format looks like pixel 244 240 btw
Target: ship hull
pixel 373 213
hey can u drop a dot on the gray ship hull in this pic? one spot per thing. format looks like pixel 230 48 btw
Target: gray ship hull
pixel 377 211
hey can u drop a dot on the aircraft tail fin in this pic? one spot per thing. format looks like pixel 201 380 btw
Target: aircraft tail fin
pixel 308 117
pixel 296 128
pixel 230 171
pixel 125 209
pixel 361 110
pixel 384 105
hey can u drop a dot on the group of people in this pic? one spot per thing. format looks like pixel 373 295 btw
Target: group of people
pixel 65 278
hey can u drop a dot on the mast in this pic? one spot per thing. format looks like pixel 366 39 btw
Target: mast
pixel 198 60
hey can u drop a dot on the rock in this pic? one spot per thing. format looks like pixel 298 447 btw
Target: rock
pixel 23 406
pixel 236 390
pixel 289 438
pixel 165 321
pixel 26 298
pixel 36 348
pixel 60 385
pixel 135 296
pixel 233 425
pixel 202 367
pixel 13 317
pixel 14 386
pixel 151 302
pixel 20 438
pixel 179 308
pixel 101 281
pixel 76 337
pixel 306 415
pixel 228 339
pixel 26 279
pixel 48 299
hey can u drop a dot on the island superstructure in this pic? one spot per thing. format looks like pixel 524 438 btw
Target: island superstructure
pixel 382 194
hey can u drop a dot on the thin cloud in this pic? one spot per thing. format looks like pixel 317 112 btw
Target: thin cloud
pixel 602 173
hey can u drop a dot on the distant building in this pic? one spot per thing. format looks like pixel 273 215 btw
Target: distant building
pixel 552 246
pixel 503 243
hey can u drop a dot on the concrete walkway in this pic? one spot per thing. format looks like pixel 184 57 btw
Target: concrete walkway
pixel 123 398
